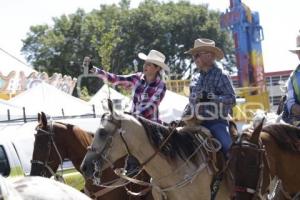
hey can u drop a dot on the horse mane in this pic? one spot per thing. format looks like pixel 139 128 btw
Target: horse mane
pixel 287 136
pixel 182 144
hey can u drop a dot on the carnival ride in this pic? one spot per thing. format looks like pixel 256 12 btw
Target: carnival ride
pixel 247 34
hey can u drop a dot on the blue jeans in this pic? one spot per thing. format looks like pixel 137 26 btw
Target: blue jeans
pixel 219 129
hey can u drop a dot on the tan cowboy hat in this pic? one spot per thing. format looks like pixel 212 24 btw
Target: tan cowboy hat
pixel 208 45
pixel 155 57
pixel 297 48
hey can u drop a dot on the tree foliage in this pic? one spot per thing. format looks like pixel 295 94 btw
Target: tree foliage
pixel 115 34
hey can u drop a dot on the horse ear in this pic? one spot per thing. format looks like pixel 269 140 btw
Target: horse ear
pixel 256 132
pixel 44 119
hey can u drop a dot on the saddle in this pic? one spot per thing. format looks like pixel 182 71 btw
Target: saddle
pixel 216 161
pixel 287 136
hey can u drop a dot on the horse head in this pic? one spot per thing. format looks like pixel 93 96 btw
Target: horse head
pixel 104 150
pixel 246 163
pixel 46 156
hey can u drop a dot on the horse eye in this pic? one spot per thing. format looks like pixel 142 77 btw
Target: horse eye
pixel 102 133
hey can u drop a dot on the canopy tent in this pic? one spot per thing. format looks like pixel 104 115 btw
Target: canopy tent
pixel 15 111
pixel 172 106
pixel 105 92
pixel 54 102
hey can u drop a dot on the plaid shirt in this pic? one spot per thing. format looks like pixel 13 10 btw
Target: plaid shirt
pixel 146 96
pixel 217 84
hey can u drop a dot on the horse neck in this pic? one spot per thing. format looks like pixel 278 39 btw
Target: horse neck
pixel 71 143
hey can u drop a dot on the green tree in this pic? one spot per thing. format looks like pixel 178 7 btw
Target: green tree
pixel 114 34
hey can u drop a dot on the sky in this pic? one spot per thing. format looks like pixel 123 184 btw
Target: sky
pixel 279 20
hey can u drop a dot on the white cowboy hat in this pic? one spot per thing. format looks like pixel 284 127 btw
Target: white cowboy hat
pixel 297 48
pixel 208 45
pixel 155 57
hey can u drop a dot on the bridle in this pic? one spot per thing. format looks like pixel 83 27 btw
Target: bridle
pixel 50 143
pixel 103 153
pixel 260 150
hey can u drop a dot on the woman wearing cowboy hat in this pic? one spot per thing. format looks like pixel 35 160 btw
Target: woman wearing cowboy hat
pixel 211 92
pixel 148 90
pixel 291 112
pixel 148 87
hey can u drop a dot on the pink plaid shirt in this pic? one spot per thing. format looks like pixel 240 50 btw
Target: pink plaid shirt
pixel 146 96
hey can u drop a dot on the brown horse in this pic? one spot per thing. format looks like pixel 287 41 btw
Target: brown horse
pixel 255 159
pixel 56 142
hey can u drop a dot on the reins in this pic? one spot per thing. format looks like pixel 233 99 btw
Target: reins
pixel 160 147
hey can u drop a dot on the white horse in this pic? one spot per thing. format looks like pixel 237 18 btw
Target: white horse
pixel 37 188
pixel 178 162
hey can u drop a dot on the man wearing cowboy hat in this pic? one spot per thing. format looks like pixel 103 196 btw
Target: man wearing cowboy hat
pixel 291 112
pixel 148 90
pixel 211 92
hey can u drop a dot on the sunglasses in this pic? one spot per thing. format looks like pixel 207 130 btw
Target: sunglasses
pixel 197 55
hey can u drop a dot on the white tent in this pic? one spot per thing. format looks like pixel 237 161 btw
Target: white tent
pixel 50 100
pixel 172 106
pixel 15 111
pixel 105 92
